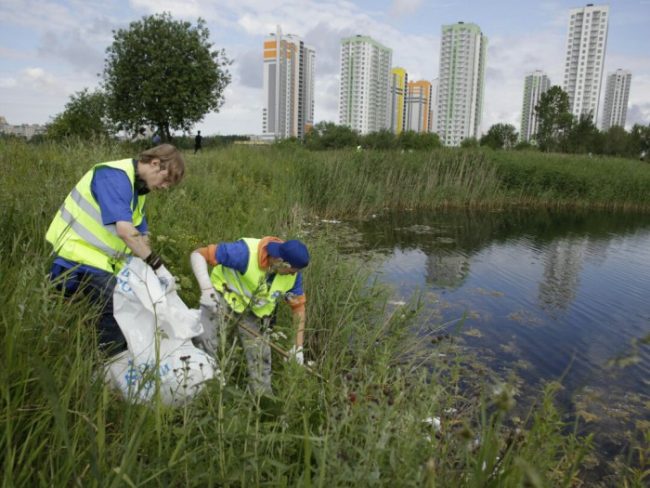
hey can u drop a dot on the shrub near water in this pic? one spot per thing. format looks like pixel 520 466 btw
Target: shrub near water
pixel 362 425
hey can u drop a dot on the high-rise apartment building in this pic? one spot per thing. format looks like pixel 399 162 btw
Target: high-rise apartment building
pixel 434 105
pixel 288 86
pixel 418 106
pixel 585 57
pixel 460 82
pixel 397 107
pixel 617 92
pixel 365 90
pixel 535 85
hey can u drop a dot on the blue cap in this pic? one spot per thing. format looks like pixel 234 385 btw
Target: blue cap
pixel 293 252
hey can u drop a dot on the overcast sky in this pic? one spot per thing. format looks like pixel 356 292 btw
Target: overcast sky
pixel 50 49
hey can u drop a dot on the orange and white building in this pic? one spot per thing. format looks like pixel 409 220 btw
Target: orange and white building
pixel 288 86
pixel 419 98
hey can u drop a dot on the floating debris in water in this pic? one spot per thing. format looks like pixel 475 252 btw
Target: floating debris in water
pixel 473 332
pixel 510 347
pixel 525 317
pixel 492 293
pixel 416 229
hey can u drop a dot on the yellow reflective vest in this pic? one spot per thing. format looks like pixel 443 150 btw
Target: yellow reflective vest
pixel 250 291
pixel 77 232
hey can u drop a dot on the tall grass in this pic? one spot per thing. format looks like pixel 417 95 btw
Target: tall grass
pixel 363 425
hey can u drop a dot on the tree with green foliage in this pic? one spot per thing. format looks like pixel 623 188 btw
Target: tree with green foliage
pixel 554 118
pixel 381 139
pixel 525 146
pixel 640 142
pixel 583 137
pixel 409 139
pixel 85 116
pixel 328 135
pixel 616 142
pixel 469 143
pixel 500 136
pixel 164 73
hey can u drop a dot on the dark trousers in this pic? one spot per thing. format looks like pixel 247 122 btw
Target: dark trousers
pixel 99 288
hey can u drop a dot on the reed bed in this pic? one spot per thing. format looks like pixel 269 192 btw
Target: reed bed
pixel 364 425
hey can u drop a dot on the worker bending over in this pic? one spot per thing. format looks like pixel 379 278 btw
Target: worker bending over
pixel 249 277
pixel 101 222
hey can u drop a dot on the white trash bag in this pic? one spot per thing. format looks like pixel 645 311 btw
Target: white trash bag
pixel 148 314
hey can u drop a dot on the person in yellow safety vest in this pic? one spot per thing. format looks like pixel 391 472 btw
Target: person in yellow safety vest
pixel 101 222
pixel 250 277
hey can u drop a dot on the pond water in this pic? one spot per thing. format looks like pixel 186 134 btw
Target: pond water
pixel 546 296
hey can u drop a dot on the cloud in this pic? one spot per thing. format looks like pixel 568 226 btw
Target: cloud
pixel 509 60
pixel 74 48
pixel 184 9
pixel 327 104
pixel 8 82
pixel 240 114
pixel 405 6
pixel 39 78
pixel 249 68
pixel 9 53
pixel 326 40
pixel 34 95
pixel 638 114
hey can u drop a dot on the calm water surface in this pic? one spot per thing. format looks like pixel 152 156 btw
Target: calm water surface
pixel 547 296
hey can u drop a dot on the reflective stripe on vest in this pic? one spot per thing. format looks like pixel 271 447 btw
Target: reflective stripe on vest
pixel 77 232
pixel 251 291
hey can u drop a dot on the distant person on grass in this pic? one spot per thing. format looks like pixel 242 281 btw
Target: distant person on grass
pixel 248 280
pixel 101 222
pixel 197 142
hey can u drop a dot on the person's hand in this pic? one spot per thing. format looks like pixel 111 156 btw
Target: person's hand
pixel 166 279
pixel 208 299
pixel 296 354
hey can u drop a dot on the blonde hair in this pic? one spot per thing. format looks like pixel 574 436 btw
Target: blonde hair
pixel 170 159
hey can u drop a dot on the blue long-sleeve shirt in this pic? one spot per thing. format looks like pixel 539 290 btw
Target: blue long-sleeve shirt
pixel 235 255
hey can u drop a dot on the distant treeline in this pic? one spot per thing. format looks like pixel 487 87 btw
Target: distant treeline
pixel 182 142
pixel 577 137
pixel 187 142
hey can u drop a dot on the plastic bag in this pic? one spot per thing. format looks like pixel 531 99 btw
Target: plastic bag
pixel 158 328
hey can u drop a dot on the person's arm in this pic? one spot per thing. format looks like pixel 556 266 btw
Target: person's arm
pixel 299 319
pixel 114 193
pixel 296 300
pixel 137 242
pixel 199 259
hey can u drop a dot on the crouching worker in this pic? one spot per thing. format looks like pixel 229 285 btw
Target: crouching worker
pixel 249 277
pixel 101 222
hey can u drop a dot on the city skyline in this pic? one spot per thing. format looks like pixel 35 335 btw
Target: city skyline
pixel 52 49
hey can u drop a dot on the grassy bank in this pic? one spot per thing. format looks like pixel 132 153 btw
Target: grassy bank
pixel 350 183
pixel 362 426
